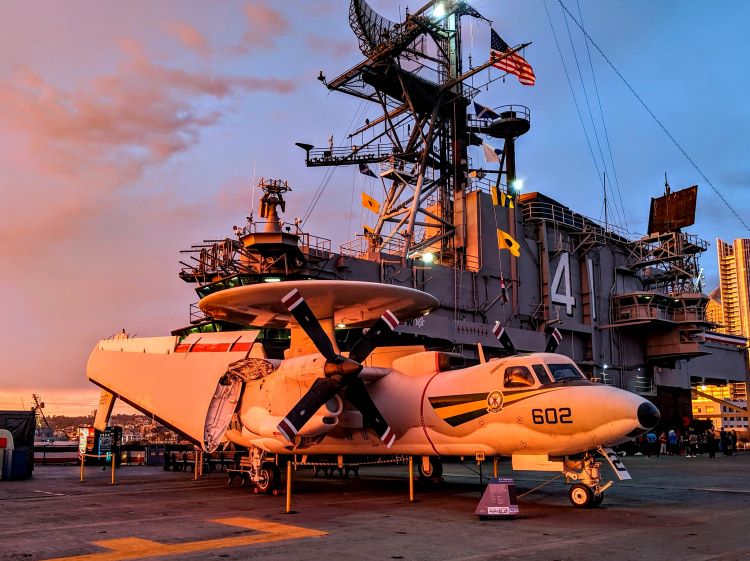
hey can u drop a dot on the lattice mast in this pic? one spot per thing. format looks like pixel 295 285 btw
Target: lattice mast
pixel 413 72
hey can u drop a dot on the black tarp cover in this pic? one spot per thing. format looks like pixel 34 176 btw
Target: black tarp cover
pixel 21 425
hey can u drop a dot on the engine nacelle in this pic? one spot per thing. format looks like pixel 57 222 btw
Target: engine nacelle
pixel 260 422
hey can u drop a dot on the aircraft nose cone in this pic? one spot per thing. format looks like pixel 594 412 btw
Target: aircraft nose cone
pixel 648 415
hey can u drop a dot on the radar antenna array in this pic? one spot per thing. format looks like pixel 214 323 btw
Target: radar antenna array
pixel 413 74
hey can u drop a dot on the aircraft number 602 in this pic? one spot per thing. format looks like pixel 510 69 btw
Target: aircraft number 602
pixel 551 416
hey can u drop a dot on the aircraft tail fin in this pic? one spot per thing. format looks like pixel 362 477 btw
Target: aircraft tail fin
pixel 104 410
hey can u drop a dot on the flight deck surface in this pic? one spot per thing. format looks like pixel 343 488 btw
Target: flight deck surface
pixel 674 508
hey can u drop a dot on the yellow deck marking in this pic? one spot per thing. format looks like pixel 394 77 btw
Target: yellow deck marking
pixel 137 548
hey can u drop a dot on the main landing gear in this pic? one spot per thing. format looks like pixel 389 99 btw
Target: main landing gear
pixel 430 469
pixel 265 475
pixel 588 491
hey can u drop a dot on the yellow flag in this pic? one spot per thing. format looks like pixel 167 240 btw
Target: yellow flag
pixel 369 203
pixel 368 230
pixel 506 200
pixel 494 193
pixel 504 241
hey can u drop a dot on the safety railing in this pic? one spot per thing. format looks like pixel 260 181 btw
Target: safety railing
pixel 108 457
pixel 537 211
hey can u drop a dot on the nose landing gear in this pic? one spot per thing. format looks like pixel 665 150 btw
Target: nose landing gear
pixel 588 491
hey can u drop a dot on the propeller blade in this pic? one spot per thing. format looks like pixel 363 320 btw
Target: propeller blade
pixel 365 345
pixel 504 338
pixel 554 341
pixel 309 323
pixel 357 395
pixel 319 393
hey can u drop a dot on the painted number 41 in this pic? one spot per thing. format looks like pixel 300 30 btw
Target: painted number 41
pixel 561 291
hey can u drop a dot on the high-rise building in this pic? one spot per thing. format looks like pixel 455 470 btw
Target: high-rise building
pixel 734 284
pixel 715 311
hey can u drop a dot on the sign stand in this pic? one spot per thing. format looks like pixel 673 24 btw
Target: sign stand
pixel 498 500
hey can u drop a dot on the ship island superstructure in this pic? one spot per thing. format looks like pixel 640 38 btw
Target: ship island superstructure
pixel 630 309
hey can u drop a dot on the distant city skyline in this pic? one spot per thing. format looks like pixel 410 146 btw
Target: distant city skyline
pixel 130 130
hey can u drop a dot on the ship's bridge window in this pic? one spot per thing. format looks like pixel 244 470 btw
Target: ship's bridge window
pixel 565 371
pixel 518 377
pixel 541 373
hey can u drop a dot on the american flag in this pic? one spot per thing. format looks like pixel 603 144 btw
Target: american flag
pixel 513 64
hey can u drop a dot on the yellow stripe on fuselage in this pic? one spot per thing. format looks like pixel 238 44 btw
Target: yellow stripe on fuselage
pixel 449 412
pixel 461 408
pixel 514 397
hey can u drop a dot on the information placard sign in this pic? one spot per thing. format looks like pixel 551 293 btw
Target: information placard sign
pixel 498 499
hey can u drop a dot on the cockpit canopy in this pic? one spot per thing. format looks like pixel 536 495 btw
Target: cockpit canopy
pixel 536 369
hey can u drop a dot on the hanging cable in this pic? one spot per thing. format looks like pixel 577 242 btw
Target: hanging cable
pixel 572 91
pixel 656 119
pixel 356 116
pixel 588 106
pixel 604 122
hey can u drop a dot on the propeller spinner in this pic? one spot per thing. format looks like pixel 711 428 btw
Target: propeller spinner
pixel 341 373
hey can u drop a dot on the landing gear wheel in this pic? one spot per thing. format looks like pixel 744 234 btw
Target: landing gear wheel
pixel 581 496
pixel 598 499
pixel 269 478
pixel 434 473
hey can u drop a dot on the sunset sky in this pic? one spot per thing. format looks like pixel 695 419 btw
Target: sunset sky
pixel 129 130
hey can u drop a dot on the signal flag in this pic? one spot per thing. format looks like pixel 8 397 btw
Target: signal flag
pixel 504 241
pixel 501 199
pixel 485 112
pixel 491 154
pixel 503 291
pixel 369 203
pixel 506 200
pixel 364 169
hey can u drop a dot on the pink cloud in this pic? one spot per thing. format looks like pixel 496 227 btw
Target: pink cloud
pixel 265 25
pixel 80 146
pixel 189 36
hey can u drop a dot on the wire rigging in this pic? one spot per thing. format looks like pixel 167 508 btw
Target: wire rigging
pixel 604 122
pixel 572 92
pixel 618 215
pixel 655 118
pixel 356 117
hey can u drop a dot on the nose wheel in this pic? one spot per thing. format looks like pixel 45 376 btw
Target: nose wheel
pixel 581 496
pixel 588 491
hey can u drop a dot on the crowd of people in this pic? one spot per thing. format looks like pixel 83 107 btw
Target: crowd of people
pixel 689 443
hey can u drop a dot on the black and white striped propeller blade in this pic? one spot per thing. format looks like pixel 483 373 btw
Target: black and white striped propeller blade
pixel 357 395
pixel 309 323
pixel 504 338
pixel 341 373
pixel 367 343
pixel 555 338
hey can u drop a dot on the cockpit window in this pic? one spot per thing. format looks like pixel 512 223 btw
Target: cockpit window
pixel 565 371
pixel 518 377
pixel 541 373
